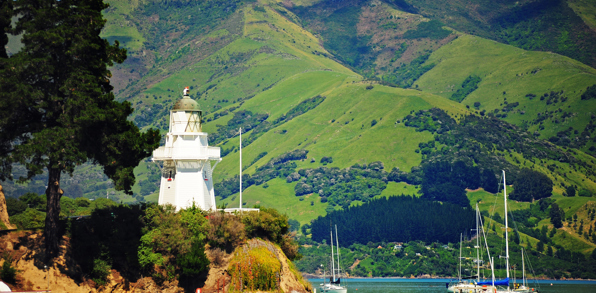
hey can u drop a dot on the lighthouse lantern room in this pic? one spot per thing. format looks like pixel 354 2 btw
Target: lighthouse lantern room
pixel 186 176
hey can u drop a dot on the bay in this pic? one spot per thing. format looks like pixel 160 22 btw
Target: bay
pixel 374 285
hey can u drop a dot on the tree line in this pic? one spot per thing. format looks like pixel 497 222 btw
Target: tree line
pixel 396 219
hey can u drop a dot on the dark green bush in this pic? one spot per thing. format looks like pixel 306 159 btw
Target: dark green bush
pixel 8 273
pixel 100 272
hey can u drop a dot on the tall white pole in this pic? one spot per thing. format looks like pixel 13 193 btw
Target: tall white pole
pixel 240 168
pixel 337 248
pixel 460 241
pixel 332 258
pixel 492 268
pixel 477 245
pixel 506 227
pixel 523 269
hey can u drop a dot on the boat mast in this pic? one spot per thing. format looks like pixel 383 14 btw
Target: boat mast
pixel 460 240
pixel 506 227
pixel 240 168
pixel 477 245
pixel 490 260
pixel 523 269
pixel 337 246
pixel 332 259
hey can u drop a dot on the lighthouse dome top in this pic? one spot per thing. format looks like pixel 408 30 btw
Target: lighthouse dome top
pixel 186 104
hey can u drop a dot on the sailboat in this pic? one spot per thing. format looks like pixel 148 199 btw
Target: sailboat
pixel 524 285
pixel 334 284
pixel 466 286
pixel 505 282
pixel 461 283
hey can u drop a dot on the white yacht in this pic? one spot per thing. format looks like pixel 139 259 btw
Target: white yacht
pixel 334 284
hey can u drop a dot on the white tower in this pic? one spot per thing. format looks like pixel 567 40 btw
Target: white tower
pixel 186 176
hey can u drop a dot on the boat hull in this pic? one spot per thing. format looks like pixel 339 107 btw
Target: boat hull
pixel 334 290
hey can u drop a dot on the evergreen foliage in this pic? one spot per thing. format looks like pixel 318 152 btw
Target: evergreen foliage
pixel 406 75
pixel 8 273
pixel 590 93
pixel 443 181
pixel 531 185
pixel 469 85
pixel 399 219
pixel 56 102
pixel 173 243
pixel 569 191
pixel 430 29
pixel 478 140
pixel 556 215
pixel 15 206
pixel 30 218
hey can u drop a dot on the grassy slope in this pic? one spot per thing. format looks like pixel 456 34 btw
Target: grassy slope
pixel 508 69
pixel 119 28
pixel 586 9
pixel 280 196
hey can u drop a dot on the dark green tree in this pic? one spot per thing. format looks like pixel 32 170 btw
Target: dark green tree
pixel 15 206
pixel 5 21
pixel 540 246
pixel 570 191
pixel 549 250
pixel 531 185
pixel 57 106
pixel 556 216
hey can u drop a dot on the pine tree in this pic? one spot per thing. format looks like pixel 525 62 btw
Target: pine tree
pixel 549 250
pixel 56 103
pixel 540 246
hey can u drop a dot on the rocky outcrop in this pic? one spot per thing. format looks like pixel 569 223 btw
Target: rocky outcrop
pixel 64 274
pixel 4 221
pixel 219 279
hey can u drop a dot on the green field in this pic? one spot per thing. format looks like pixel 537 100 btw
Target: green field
pixel 280 196
pixel 508 75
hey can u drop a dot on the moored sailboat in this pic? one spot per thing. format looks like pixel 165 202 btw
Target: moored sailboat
pixel 334 284
pixel 464 285
pixel 503 283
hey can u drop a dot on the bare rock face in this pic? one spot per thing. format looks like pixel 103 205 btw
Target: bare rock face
pixel 4 212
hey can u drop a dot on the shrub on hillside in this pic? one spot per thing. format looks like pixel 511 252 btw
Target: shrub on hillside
pixel 15 206
pixel 30 218
pixel 590 93
pixel 531 185
pixel 173 243
pixel 585 193
pixel 8 273
pixel 225 231
pixel 326 160
pixel 254 269
pixel 100 272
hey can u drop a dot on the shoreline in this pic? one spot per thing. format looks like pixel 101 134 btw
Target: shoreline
pixel 428 277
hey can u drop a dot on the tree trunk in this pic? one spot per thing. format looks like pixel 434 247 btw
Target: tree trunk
pixel 53 193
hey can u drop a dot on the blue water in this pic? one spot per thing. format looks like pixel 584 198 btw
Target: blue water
pixel 365 285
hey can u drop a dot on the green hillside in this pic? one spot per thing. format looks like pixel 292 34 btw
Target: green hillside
pixel 510 75
pixel 362 84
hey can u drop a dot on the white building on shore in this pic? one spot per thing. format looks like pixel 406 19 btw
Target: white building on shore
pixel 188 160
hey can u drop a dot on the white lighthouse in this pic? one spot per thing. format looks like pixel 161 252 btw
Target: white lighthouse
pixel 186 176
